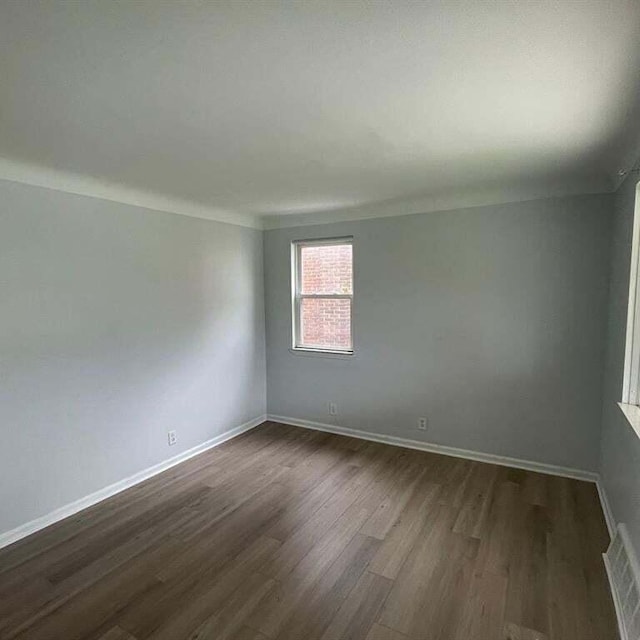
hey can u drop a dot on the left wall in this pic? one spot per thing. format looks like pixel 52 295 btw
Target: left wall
pixel 117 324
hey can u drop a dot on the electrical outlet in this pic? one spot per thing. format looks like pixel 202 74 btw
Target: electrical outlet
pixel 423 424
pixel 172 436
pixel 333 409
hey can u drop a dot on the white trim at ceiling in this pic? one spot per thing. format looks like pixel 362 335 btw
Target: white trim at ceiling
pixel 68 182
pixel 38 176
pixel 630 168
pixel 433 204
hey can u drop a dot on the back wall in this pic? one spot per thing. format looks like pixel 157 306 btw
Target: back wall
pixel 488 321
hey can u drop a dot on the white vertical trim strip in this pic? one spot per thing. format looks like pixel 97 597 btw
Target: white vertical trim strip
pixel 606 509
pixel 631 383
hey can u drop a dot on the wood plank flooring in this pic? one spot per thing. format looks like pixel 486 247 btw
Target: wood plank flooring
pixel 290 534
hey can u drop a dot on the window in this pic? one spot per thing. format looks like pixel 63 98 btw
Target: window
pixel 630 404
pixel 322 283
pixel 631 380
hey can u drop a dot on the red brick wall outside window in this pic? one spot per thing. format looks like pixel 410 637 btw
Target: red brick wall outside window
pixel 325 270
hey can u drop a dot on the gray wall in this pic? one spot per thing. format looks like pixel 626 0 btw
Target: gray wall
pixel 117 324
pixel 489 321
pixel 620 463
pixel 120 323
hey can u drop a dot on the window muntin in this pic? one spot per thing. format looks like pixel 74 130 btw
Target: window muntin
pixel 322 277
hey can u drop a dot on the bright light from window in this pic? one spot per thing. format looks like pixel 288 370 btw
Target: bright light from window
pixel 323 295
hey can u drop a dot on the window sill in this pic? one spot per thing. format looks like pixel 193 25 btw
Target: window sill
pixel 632 414
pixel 321 353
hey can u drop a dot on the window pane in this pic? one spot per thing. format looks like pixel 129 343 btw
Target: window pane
pixel 327 269
pixel 325 323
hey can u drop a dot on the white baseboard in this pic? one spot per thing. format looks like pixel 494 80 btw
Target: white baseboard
pixel 528 465
pixel 28 528
pixel 67 510
pixel 606 509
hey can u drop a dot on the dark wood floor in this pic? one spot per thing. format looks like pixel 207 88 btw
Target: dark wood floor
pixel 293 534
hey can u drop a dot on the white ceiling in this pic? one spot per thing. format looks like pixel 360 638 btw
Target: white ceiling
pixel 232 110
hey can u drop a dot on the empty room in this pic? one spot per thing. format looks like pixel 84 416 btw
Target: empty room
pixel 319 320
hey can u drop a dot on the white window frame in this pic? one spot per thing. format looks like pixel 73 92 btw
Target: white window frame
pixel 631 379
pixel 297 296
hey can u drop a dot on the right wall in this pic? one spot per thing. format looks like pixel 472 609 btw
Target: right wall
pixel 620 455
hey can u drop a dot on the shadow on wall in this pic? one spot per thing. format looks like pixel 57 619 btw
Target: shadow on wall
pixel 119 325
